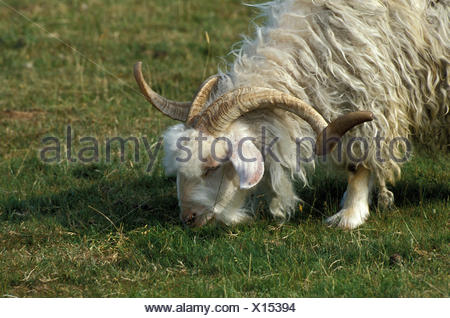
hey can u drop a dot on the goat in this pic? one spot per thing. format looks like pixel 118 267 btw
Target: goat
pixel 315 68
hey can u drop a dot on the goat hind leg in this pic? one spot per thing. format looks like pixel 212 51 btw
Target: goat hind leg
pixel 385 197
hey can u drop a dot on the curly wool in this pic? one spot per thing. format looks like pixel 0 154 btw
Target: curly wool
pixel 390 57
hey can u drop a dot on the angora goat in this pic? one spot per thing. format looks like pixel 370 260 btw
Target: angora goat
pixel 316 68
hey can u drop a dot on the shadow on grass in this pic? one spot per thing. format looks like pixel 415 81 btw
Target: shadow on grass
pixel 132 202
pixel 419 184
pixel 127 203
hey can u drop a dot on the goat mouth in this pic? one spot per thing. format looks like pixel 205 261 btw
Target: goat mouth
pixel 201 220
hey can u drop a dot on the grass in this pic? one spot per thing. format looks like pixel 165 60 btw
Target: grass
pixel 110 229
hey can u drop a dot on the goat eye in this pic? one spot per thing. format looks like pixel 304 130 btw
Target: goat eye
pixel 209 170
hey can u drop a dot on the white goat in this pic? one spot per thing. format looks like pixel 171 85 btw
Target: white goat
pixel 390 57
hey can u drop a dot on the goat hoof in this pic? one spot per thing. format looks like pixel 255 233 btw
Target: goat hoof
pixel 349 218
pixel 385 199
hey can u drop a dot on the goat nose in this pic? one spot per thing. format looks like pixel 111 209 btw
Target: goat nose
pixel 189 218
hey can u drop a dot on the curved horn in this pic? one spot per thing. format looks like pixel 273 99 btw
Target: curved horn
pixel 201 98
pixel 232 105
pixel 330 136
pixel 173 109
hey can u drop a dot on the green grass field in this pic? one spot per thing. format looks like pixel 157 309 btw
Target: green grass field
pixel 112 229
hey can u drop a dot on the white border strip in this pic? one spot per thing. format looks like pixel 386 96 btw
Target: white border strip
pixel 210 307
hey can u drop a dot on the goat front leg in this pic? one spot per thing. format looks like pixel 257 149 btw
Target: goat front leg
pixel 355 207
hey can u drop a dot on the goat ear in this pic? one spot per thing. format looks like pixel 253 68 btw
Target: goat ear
pixel 248 163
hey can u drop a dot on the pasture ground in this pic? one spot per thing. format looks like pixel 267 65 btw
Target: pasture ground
pixel 112 229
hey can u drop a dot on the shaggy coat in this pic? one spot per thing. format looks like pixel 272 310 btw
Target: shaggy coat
pixel 387 56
